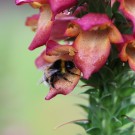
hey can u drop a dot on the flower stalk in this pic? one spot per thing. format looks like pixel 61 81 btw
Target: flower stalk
pixel 110 99
pixel 92 41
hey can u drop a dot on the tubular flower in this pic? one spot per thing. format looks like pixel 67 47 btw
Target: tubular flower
pixel 94 33
pixel 44 27
pixel 127 52
pixel 128 9
pixel 53 30
pixel 45 22
pixel 61 82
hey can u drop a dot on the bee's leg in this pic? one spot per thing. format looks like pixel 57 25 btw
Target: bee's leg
pixel 72 73
pixel 61 76
pixel 52 80
pixel 66 79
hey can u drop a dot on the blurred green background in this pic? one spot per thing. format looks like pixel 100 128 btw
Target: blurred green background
pixel 23 110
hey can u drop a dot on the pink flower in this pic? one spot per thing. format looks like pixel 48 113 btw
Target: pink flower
pixel 46 29
pixel 127 52
pixel 62 83
pixel 44 24
pixel 94 33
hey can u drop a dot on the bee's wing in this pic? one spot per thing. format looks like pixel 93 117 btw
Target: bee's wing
pixel 47 74
pixel 52 71
pixel 42 80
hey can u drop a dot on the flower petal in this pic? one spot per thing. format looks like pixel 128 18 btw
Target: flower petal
pixel 19 2
pixel 114 35
pixel 93 48
pixel 54 52
pixel 64 86
pixel 101 22
pixel 123 55
pixel 32 22
pixel 44 28
pixel 91 20
pixel 128 39
pixel 56 49
pixel 72 30
pixel 131 60
pixel 60 25
pixel 44 59
pixel 58 6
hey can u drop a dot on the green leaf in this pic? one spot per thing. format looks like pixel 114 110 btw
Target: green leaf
pixel 125 120
pixel 120 17
pixel 92 92
pixel 96 6
pixel 84 124
pixel 125 92
pixel 93 131
pixel 106 100
pixel 108 11
pixel 106 73
pixel 116 122
pixel 128 131
pixel 128 82
pixel 115 7
pixel 94 80
pixel 85 108
pixel 127 30
pixel 124 27
pixel 126 109
pixel 93 101
pixel 101 7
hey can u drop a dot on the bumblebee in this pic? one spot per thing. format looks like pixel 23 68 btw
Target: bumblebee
pixel 60 69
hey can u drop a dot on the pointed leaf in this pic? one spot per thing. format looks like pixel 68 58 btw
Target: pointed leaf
pixel 94 131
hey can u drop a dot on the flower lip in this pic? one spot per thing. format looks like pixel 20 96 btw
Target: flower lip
pixel 92 53
pixel 44 28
